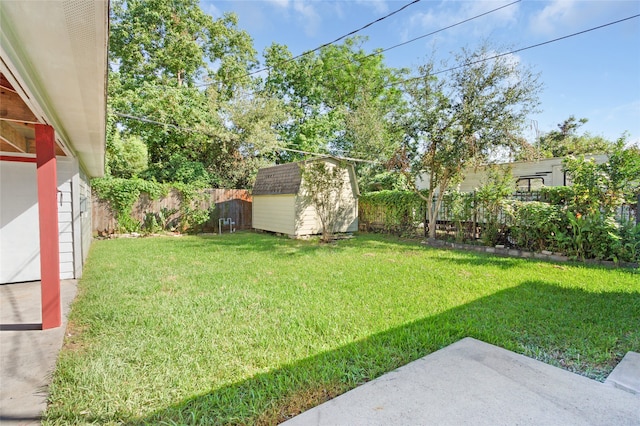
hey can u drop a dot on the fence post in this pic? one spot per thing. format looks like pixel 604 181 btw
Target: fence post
pixel 475 215
pixel 426 215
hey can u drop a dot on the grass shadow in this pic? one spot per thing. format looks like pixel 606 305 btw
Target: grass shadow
pixel 538 319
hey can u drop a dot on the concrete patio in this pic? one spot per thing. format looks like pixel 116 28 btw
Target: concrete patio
pixel 27 353
pixel 472 382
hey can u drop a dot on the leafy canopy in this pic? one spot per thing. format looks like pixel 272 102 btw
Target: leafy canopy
pixel 457 120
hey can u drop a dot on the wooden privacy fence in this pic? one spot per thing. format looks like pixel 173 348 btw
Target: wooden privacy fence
pixel 221 204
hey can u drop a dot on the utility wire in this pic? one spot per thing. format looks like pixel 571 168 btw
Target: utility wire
pixel 442 29
pixel 513 51
pixel 325 44
pixel 379 52
pixel 192 130
pixel 146 120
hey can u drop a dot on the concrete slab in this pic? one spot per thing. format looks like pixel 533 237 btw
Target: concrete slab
pixel 27 353
pixel 472 382
pixel 626 375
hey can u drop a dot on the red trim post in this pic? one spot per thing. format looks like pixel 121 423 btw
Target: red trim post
pixel 48 218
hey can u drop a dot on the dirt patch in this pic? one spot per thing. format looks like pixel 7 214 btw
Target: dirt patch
pixel 73 337
pixel 299 402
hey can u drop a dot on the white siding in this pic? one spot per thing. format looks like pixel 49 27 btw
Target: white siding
pixel 275 213
pixel 547 170
pixel 346 203
pixel 85 215
pixel 19 229
pixel 66 170
pixel 19 223
pixel 308 222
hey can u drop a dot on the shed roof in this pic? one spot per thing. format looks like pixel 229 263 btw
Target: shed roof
pixel 278 180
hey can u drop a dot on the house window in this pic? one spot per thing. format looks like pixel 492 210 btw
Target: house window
pixel 529 184
pixel 567 179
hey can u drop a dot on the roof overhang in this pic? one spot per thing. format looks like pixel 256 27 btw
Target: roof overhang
pixel 54 54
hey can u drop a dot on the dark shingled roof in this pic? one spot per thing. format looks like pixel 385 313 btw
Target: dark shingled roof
pixel 282 179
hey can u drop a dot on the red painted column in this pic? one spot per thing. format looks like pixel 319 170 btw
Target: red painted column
pixel 49 239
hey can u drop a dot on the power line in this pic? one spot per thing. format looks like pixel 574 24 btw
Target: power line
pixel 513 51
pixel 325 44
pixel 202 132
pixel 443 29
pixel 379 52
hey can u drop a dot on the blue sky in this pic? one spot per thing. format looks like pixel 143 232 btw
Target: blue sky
pixel 594 75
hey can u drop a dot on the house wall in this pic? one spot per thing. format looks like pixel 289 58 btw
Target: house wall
pixel 19 228
pixel 19 231
pixel 549 171
pixel 66 171
pixel 275 213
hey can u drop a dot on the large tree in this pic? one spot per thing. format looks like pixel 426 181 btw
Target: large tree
pixel 161 53
pixel 458 118
pixel 566 141
pixel 340 100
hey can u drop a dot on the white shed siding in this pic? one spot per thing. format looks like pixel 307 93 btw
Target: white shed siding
pixel 275 213
pixel 308 222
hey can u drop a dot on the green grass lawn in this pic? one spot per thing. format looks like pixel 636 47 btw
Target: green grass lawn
pixel 251 328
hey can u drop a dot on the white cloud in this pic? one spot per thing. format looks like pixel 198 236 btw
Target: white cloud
pixel 556 14
pixel 562 16
pixel 307 16
pixel 379 6
pixel 279 3
pixel 447 13
pixel 210 9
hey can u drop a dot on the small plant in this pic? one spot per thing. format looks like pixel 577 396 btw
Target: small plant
pixel 491 196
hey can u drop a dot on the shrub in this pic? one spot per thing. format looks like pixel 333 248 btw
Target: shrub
pixel 536 225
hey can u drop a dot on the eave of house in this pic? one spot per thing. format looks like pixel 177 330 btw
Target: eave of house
pixel 54 55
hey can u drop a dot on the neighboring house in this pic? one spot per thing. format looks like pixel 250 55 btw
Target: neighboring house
pixel 528 175
pixel 53 73
pixel 281 205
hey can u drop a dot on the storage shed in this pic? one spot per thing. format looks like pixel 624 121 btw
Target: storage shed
pixel 53 73
pixel 281 204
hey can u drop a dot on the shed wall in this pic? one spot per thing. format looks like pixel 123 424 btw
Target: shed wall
pixel 275 213
pixel 346 203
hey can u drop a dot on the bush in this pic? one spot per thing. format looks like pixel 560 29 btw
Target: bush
pixel 536 225
pixel 400 211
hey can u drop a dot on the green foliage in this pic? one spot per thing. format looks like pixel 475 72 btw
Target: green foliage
pixel 381 180
pixel 456 121
pixel 459 208
pixel 126 157
pixel 179 169
pixel 338 100
pixel 160 52
pixel 399 212
pixel 490 198
pixel 536 225
pixel 565 141
pixel 122 194
pixel 557 195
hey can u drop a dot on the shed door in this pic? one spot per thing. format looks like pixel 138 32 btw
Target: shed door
pixel 19 228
